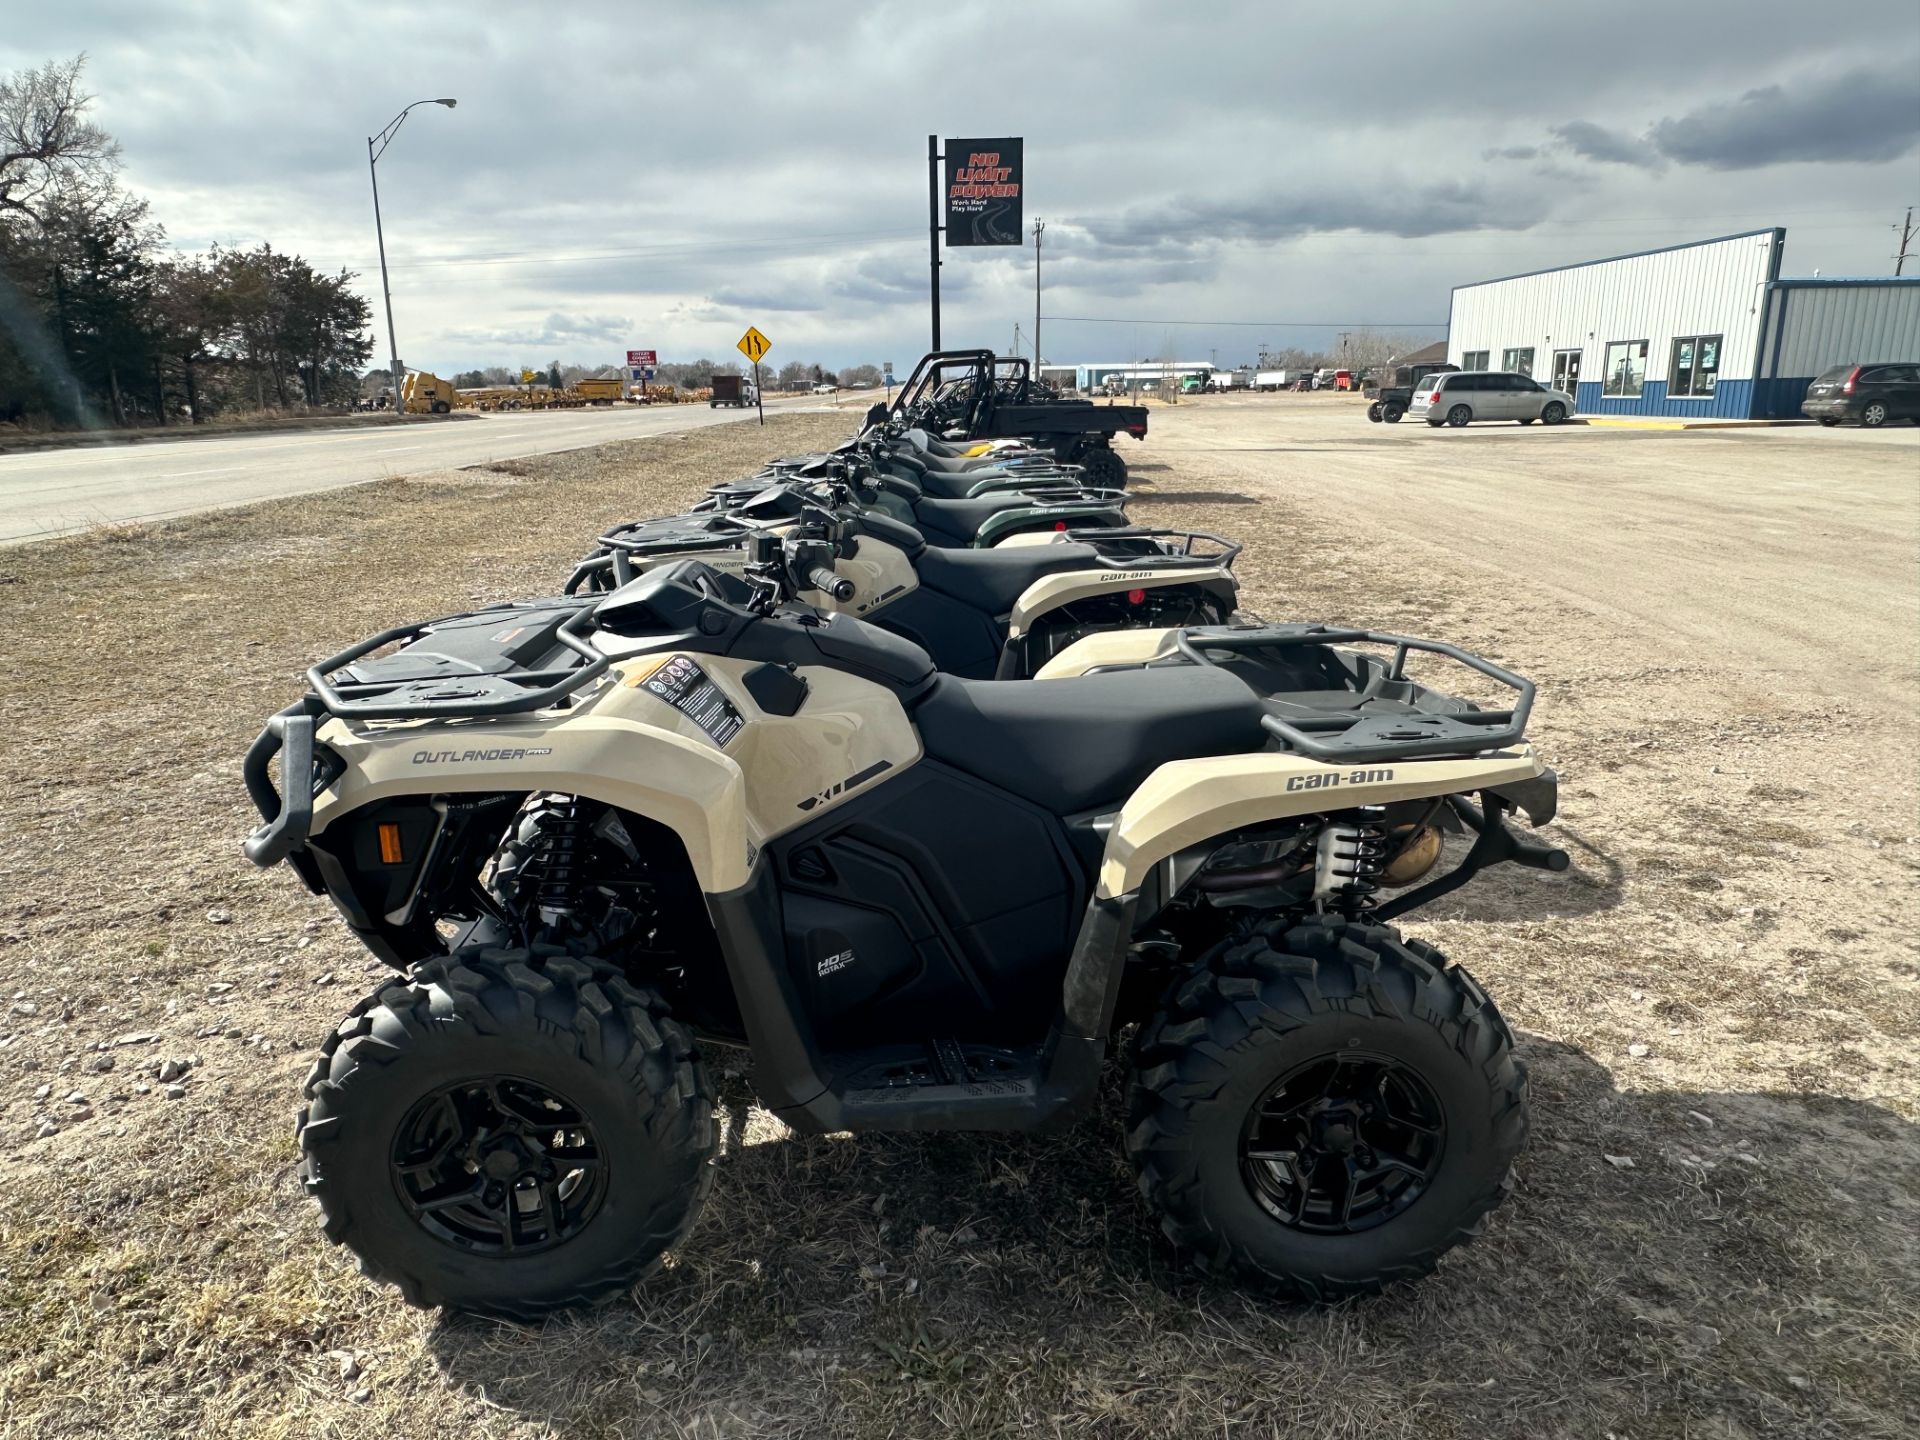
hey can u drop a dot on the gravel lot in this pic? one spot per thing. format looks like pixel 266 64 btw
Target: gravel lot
pixel 1714 1233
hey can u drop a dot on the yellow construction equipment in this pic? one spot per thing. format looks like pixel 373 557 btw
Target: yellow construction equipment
pixel 423 393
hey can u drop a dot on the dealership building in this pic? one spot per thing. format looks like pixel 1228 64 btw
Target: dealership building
pixel 1707 329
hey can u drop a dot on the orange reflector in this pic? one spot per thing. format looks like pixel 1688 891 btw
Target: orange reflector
pixel 390 851
pixel 1136 597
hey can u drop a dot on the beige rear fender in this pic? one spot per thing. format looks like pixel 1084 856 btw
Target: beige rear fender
pixel 1187 802
pixel 1108 647
pixel 1051 592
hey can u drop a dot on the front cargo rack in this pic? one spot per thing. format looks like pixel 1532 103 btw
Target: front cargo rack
pixel 451 689
pixel 483 672
pixel 1354 736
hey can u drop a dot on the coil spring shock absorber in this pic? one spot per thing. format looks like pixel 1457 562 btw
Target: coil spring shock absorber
pixel 1347 860
pixel 562 831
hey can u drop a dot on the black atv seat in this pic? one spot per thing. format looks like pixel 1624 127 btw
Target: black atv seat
pixel 962 517
pixel 991 580
pixel 1076 744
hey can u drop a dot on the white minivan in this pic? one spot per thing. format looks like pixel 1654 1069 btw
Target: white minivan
pixel 1460 397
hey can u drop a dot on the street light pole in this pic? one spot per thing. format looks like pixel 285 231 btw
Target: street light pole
pixel 376 147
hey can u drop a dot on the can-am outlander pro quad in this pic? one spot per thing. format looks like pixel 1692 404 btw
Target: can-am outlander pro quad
pixel 1002 612
pixel 597 835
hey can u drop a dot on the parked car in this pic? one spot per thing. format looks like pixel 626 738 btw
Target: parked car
pixel 1464 396
pixel 825 389
pixel 1870 395
pixel 1394 397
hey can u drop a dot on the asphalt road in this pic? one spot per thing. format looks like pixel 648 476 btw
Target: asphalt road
pixel 58 492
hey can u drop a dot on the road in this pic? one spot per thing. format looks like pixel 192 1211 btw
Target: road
pixel 59 492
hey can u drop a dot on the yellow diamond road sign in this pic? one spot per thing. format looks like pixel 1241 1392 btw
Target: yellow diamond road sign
pixel 753 345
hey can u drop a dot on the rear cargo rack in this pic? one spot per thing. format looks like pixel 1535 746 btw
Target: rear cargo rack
pixel 1352 738
pixel 1223 553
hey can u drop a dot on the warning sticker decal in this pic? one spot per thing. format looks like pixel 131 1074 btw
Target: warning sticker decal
pixel 685 686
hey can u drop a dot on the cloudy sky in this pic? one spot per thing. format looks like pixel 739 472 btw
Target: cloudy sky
pixel 661 177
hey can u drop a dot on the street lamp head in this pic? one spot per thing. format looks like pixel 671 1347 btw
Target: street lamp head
pixel 448 103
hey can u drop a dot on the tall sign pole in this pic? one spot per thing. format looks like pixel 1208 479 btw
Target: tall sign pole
pixel 1039 227
pixel 933 228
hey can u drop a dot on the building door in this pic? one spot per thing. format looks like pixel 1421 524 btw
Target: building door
pixel 1566 371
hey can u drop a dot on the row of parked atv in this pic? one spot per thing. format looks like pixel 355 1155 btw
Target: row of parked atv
pixel 919 773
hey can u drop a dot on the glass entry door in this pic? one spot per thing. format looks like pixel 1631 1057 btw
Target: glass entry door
pixel 1566 371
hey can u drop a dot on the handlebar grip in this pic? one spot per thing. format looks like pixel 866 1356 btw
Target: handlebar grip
pixel 830 583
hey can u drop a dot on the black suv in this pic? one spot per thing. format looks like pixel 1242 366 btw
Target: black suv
pixel 1870 394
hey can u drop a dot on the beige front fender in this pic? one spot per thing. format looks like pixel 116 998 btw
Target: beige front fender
pixel 691 787
pixel 1189 801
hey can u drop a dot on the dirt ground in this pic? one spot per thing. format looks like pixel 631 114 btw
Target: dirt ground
pixel 1714 1231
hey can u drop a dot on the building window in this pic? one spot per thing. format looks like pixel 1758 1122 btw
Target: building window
pixel 1626 372
pixel 1696 366
pixel 1474 360
pixel 1519 361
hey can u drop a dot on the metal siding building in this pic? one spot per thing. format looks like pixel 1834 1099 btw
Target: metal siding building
pixel 1821 321
pixel 1570 316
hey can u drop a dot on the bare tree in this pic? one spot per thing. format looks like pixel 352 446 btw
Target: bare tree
pixel 46 139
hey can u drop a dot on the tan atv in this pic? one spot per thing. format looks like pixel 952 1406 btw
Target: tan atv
pixel 595 836
pixel 1001 612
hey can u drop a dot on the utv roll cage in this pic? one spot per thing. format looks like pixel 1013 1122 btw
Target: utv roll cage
pixel 964 394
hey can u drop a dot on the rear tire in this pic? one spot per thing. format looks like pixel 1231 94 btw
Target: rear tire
pixel 561 1037
pixel 1374 412
pixel 1459 415
pixel 1103 468
pixel 1554 413
pixel 1873 414
pixel 1828 421
pixel 1259 1017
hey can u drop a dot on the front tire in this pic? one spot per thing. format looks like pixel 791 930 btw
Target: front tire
pixel 508 1133
pixel 1391 413
pixel 1374 412
pixel 1554 413
pixel 1458 416
pixel 1325 1110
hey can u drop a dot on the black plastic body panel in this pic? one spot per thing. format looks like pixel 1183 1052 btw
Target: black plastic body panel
pixel 934 904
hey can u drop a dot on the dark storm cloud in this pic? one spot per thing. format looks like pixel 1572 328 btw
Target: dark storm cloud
pixel 1596 142
pixel 1861 115
pixel 1864 115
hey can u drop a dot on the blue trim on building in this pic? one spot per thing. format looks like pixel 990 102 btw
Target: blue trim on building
pixel 1780 399
pixel 1731 400
pixel 1779 234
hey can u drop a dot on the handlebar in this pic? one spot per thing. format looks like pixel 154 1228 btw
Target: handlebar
pixel 831 584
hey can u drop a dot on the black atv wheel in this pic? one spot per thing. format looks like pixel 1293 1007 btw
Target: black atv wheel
pixel 1325 1110
pixel 508 1132
pixel 1391 411
pixel 1103 469
pixel 1373 412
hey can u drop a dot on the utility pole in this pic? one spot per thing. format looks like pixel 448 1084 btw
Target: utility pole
pixel 1016 339
pixel 1906 237
pixel 376 147
pixel 1039 227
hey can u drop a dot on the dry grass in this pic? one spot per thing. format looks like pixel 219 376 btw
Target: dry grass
pixel 1753 1273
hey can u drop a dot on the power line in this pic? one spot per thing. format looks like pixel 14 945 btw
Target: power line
pixel 1258 324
